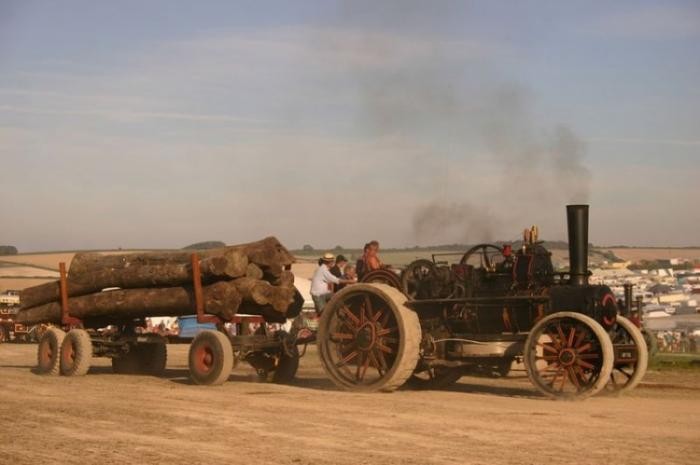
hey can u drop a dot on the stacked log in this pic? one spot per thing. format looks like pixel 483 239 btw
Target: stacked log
pixel 254 277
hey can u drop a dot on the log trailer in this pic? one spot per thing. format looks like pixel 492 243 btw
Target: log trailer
pixel 10 330
pixel 68 348
pixel 494 306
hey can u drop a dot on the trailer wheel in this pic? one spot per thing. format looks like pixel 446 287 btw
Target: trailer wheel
pixel 49 352
pixel 126 364
pixel 286 368
pixel 626 376
pixel 153 358
pixel 210 358
pixel 76 353
pixel 568 355
pixel 368 339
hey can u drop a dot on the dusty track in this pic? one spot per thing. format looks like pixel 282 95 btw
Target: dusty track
pixel 107 418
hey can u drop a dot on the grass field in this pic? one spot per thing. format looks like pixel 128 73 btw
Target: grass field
pixel 667 361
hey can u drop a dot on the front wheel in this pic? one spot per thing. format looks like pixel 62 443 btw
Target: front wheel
pixel 368 339
pixel 568 355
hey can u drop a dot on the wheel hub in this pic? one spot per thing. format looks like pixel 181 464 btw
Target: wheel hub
pixel 567 357
pixel 366 337
pixel 205 359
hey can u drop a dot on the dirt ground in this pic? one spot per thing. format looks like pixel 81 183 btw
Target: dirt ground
pixel 113 419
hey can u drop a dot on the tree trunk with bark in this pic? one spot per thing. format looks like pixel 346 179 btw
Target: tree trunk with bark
pixel 160 284
pixel 164 272
pixel 221 299
pixel 268 253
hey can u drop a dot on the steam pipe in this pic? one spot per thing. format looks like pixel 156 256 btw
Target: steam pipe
pixel 577 221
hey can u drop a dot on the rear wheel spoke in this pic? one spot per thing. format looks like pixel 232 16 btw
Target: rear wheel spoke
pixel 344 361
pixel 560 333
pixel 573 377
pixel 346 311
pixel 385 331
pixel 548 348
pixel 338 337
pixel 368 308
pixel 553 338
pixel 585 364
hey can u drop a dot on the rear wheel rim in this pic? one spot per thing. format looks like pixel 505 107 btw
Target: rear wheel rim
pixel 46 354
pixel 204 359
pixel 363 339
pixel 68 355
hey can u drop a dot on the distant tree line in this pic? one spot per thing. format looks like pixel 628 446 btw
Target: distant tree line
pixel 8 250
pixel 665 264
pixel 205 245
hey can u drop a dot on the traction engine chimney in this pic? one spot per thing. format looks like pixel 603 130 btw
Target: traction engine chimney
pixel 577 220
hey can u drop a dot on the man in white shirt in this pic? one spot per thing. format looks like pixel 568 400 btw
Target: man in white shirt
pixel 322 282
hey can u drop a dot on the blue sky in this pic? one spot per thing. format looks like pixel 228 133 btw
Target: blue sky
pixel 161 123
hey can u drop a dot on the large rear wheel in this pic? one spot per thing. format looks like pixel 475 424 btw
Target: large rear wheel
pixel 49 352
pixel 368 339
pixel 568 355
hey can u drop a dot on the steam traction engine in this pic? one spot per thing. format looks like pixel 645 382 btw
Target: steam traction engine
pixel 494 306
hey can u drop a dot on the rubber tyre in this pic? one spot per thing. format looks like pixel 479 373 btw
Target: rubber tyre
pixel 640 367
pixel 4 335
pixel 49 352
pixel 409 337
pixel 605 345
pixel 76 353
pixel 210 358
pixel 128 363
pixel 153 358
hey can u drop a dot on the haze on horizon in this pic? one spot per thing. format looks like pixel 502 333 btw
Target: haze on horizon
pixel 159 124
